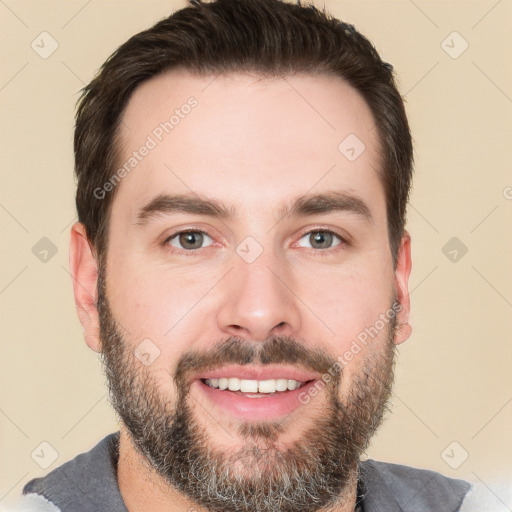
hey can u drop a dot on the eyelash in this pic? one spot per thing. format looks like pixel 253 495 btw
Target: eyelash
pixel 316 252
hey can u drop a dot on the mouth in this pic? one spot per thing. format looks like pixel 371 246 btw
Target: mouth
pixel 258 398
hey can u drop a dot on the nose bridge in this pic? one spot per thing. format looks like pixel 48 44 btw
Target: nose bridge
pixel 257 302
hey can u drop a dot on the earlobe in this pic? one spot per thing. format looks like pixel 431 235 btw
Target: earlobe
pixel 402 273
pixel 84 272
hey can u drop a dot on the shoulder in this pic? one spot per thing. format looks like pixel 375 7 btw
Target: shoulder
pixel 88 479
pixel 74 470
pixel 408 488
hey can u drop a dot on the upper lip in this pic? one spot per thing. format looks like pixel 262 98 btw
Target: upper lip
pixel 258 373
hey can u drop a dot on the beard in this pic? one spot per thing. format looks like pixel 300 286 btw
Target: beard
pixel 316 472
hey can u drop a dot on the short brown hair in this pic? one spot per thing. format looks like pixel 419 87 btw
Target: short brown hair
pixel 270 37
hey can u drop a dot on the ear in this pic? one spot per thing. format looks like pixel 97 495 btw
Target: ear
pixel 84 272
pixel 402 272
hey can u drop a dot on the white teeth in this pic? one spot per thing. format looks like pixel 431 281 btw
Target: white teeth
pixel 234 384
pixel 249 386
pixel 292 384
pixel 281 384
pixel 267 386
pixel 254 386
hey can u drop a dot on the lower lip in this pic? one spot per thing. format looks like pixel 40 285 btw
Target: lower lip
pixel 268 406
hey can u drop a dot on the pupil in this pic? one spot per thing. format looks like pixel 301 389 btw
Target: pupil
pixel 194 239
pixel 322 238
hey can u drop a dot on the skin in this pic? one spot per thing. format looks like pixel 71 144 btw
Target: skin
pixel 252 144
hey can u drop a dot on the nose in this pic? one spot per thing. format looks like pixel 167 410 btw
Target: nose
pixel 258 301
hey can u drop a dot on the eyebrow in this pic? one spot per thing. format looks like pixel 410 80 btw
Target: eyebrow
pixel 309 204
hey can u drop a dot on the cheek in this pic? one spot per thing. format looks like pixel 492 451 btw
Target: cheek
pixel 355 304
pixel 349 301
pixel 157 309
pixel 153 295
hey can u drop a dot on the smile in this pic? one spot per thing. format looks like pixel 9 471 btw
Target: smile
pixel 260 398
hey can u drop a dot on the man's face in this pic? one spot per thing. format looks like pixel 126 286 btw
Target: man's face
pixel 255 295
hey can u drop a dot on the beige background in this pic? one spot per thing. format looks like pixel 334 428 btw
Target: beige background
pixel 453 380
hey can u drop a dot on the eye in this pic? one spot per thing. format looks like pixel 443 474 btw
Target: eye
pixel 321 239
pixel 188 240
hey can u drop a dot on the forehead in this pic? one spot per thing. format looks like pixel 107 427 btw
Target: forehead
pixel 248 140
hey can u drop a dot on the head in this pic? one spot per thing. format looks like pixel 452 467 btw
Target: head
pixel 242 191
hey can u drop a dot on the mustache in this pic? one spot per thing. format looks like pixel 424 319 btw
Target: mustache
pixel 234 350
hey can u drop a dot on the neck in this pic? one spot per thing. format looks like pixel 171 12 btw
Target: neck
pixel 142 488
